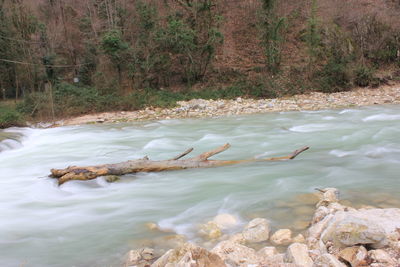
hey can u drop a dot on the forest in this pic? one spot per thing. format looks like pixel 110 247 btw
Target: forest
pixel 63 58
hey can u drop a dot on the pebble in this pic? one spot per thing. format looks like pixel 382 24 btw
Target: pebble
pixel 198 108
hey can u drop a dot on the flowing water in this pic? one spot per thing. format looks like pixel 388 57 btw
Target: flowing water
pixel 94 223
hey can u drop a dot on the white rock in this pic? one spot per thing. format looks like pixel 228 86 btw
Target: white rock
pixel 225 221
pixel 267 252
pixel 140 257
pixel 256 230
pixel 299 239
pixel 210 230
pixel 282 237
pixel 189 255
pixel 328 260
pixel 298 254
pixel 330 195
pixel 236 254
pixel 374 227
pixel 381 256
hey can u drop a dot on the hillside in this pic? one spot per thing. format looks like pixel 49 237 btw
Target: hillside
pixel 66 58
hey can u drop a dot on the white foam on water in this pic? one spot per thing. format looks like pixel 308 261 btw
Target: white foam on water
pixel 309 128
pixel 382 117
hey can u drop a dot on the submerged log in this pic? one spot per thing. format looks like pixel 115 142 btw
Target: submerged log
pixel 147 165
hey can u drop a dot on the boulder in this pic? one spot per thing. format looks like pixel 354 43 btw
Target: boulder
pixel 189 255
pixel 235 254
pixel 282 237
pixel 329 195
pixel 267 252
pixel 298 254
pixel 355 256
pixel 256 230
pixel 140 257
pixel 225 221
pixel 210 230
pixel 299 239
pixel 381 256
pixel 328 260
pixel 374 227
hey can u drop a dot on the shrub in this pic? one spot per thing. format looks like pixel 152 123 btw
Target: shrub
pixel 10 117
pixel 334 77
pixel 363 76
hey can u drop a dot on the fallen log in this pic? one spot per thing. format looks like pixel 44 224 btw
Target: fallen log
pixel 147 165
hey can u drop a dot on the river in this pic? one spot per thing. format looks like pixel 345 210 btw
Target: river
pixel 95 223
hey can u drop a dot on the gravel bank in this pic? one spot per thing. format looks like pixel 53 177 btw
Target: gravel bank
pixel 198 108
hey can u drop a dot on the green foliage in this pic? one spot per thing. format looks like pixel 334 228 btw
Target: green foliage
pixel 9 117
pixel 363 76
pixel 313 37
pixel 272 35
pixel 334 76
pixel 113 45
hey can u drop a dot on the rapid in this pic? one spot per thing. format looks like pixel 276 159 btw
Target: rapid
pixel 94 223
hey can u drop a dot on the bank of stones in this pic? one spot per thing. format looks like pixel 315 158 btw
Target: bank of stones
pixel 198 108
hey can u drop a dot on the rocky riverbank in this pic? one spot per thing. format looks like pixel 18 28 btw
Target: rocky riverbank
pixel 337 236
pixel 197 108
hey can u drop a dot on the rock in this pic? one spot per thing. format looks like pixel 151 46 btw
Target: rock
pixel 257 230
pixel 267 252
pixel 225 221
pixel 235 254
pixel 170 241
pixel 140 257
pixel 356 256
pixel 374 227
pixel 189 255
pixel 298 254
pixel 210 230
pixel 328 260
pixel 112 178
pixel 381 256
pixel 320 214
pixel 152 226
pixel 299 239
pixel 329 195
pixel 282 237
pixel 237 238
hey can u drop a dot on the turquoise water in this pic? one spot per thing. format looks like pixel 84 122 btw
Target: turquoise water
pixel 95 223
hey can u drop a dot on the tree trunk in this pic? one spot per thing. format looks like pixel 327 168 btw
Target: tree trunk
pixel 146 165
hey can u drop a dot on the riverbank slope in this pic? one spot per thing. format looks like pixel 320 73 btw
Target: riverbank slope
pixel 198 108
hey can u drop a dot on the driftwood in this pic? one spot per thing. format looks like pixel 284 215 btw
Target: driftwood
pixel 147 165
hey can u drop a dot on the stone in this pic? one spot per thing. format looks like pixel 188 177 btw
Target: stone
pixel 299 239
pixel 381 256
pixel 152 226
pixel 210 230
pixel 328 260
pixel 267 252
pixel 112 178
pixel 257 230
pixel 236 254
pixel 374 227
pixel 320 214
pixel 298 254
pixel 189 255
pixel 140 257
pixel 225 221
pixel 356 255
pixel 329 195
pixel 282 237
